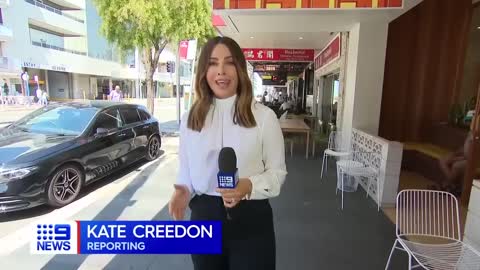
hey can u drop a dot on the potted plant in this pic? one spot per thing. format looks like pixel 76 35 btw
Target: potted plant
pixel 455 115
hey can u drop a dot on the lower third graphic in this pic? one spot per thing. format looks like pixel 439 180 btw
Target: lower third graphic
pixel 54 238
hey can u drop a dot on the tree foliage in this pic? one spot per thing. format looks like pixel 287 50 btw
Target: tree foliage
pixel 151 24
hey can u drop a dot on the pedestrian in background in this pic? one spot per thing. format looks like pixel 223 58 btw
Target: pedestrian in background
pixel 5 87
pixel 116 94
pixel 38 96
pixel 44 99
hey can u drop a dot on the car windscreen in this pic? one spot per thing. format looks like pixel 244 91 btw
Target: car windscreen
pixel 62 120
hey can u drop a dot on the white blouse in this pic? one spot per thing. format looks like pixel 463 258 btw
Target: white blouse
pixel 260 150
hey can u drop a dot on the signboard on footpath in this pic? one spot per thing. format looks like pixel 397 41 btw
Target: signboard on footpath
pixel 276 55
pixel 187 49
pixel 183 49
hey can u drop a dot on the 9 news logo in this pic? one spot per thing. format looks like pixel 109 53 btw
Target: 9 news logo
pixel 54 239
pixel 225 181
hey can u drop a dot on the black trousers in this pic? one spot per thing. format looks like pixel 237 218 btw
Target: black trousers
pixel 248 236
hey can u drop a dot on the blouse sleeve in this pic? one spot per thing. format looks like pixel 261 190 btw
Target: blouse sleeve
pixel 183 177
pixel 268 183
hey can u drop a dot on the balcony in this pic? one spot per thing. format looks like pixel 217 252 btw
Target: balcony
pixel 4 3
pixel 69 4
pixel 54 10
pixel 53 47
pixel 8 64
pixel 3 63
pixel 5 33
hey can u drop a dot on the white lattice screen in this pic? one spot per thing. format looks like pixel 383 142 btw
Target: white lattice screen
pixel 386 153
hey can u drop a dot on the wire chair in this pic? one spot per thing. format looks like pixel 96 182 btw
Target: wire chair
pixel 335 148
pixel 428 229
pixel 360 164
pixel 290 140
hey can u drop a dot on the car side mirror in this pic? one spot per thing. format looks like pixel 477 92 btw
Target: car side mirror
pixel 101 132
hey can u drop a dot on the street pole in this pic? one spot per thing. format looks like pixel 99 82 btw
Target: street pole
pixel 192 84
pixel 177 75
pixel 137 68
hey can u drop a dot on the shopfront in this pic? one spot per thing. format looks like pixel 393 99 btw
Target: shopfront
pixel 329 71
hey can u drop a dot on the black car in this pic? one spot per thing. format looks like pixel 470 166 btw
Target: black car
pixel 52 153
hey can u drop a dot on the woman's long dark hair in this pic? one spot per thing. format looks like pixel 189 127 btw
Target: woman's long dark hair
pixel 204 96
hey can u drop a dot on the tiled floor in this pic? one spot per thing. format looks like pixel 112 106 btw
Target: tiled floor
pixel 314 233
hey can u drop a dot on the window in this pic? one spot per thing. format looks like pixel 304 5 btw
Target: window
pixel 58 120
pixel 109 120
pixel 143 114
pixel 44 38
pixel 130 115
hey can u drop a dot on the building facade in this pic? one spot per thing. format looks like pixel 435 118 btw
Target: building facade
pixel 59 45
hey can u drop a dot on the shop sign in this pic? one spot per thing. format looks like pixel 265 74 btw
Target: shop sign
pixel 288 55
pixel 329 54
pixel 61 68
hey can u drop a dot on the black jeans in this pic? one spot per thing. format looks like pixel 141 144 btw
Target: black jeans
pixel 248 237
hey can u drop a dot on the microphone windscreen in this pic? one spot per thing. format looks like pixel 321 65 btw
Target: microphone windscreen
pixel 227 160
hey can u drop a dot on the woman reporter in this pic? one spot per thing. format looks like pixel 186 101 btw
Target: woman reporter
pixel 226 115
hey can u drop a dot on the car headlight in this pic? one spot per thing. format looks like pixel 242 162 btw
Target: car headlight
pixel 14 174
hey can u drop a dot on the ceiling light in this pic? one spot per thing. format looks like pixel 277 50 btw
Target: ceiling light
pixel 300 38
pixel 251 37
pixel 478 27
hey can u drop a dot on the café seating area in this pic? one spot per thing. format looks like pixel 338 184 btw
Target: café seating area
pixel 375 165
pixel 424 157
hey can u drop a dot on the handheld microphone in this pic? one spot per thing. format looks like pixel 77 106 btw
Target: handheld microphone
pixel 227 176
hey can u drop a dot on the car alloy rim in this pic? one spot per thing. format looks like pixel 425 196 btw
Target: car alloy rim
pixel 154 147
pixel 66 184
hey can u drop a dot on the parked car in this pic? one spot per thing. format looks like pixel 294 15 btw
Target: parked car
pixel 51 154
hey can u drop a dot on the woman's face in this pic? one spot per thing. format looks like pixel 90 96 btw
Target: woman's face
pixel 222 74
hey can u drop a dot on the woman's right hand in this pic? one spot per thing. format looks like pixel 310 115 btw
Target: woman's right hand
pixel 179 202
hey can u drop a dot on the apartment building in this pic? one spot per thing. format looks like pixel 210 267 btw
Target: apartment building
pixel 58 43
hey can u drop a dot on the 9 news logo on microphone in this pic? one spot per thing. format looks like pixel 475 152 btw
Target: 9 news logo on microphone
pixel 54 238
pixel 227 176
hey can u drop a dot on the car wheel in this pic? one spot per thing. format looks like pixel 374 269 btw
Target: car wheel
pixel 64 185
pixel 153 148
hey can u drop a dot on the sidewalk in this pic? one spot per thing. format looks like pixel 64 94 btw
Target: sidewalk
pixel 11 113
pixel 312 232
pixel 165 111
pixel 170 129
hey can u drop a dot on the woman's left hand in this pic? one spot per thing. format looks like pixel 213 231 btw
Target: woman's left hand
pixel 232 196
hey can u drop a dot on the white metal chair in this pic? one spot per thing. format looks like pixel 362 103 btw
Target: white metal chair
pixel 335 148
pixel 317 136
pixel 290 141
pixel 360 164
pixel 288 138
pixel 426 216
